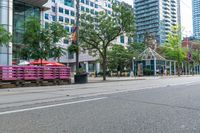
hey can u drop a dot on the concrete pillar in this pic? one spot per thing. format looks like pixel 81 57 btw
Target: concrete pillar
pixel 6 19
pixel 186 68
pixel 86 67
pixel 189 69
pixel 155 64
pixel 98 67
pixel 174 68
pixel 170 68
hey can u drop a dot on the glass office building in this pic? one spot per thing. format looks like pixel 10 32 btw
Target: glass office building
pixel 13 14
pixel 196 18
pixel 156 17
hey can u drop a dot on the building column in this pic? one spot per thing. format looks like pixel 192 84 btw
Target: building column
pixel 6 19
pixel 186 71
pixel 174 68
pixel 98 67
pixel 170 68
pixel 86 67
pixel 155 64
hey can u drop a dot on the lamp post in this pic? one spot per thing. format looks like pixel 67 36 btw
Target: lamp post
pixel 77 32
pixel 133 66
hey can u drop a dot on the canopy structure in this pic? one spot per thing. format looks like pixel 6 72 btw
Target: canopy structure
pixel 149 62
pixel 150 54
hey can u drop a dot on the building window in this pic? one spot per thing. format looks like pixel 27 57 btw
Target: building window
pixel 53 18
pixel 46 16
pixel 82 1
pixel 70 55
pixel 60 9
pixel 72 21
pixel 66 11
pixel 61 18
pixel 72 13
pixel 69 3
pixel 82 8
pixel 96 6
pixel 53 9
pixel 87 2
pixel 92 11
pixel 67 28
pixel 87 10
pixel 121 39
pixel 66 20
pixel 91 4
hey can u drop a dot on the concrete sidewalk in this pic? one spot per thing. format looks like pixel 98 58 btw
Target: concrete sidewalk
pixel 34 95
pixel 117 79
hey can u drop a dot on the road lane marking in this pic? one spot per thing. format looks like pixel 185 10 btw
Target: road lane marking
pixel 50 106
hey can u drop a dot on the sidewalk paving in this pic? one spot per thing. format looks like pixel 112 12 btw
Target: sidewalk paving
pixel 95 87
pixel 116 79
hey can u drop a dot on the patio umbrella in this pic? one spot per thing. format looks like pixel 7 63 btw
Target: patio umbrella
pixel 39 62
pixel 54 64
pixel 24 63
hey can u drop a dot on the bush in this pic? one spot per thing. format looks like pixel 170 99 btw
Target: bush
pixel 148 72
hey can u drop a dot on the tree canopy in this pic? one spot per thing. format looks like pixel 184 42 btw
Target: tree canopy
pixel 42 43
pixel 5 36
pixel 99 31
pixel 173 48
pixel 118 58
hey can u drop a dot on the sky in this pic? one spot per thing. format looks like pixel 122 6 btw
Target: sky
pixel 186 16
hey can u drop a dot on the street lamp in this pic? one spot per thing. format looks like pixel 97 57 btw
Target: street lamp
pixel 77 32
pixel 133 66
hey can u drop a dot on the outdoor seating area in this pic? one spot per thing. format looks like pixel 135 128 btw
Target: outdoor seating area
pixel 21 75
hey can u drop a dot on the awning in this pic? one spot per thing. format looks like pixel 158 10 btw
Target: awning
pixel 38 3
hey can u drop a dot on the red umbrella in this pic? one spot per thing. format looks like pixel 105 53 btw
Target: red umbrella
pixel 39 62
pixel 54 64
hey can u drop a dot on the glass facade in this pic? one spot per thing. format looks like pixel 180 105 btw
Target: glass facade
pixel 21 12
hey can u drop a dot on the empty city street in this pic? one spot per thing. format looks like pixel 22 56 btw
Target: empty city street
pixel 142 106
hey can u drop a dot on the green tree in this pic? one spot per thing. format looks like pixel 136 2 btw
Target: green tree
pixel 118 58
pixel 97 32
pixel 5 36
pixel 41 43
pixel 58 52
pixel 136 48
pixel 173 47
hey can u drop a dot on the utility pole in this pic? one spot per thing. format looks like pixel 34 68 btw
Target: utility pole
pixel 77 32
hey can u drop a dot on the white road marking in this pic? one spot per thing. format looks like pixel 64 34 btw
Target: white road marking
pixel 50 106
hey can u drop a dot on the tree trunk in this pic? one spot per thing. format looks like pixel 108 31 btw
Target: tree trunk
pixel 104 68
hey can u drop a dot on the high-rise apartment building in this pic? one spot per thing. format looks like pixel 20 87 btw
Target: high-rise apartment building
pixel 196 18
pixel 156 17
pixel 64 12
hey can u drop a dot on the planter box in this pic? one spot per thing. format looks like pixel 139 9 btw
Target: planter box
pixel 81 79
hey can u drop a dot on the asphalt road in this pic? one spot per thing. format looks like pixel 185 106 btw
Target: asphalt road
pixel 169 109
